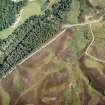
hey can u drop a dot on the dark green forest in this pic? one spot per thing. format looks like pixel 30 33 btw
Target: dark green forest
pixel 29 36
pixel 8 12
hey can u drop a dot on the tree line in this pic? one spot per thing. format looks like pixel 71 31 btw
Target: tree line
pixel 28 37
pixel 8 12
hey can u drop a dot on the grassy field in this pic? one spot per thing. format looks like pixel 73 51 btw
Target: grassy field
pixel 74 12
pixel 79 42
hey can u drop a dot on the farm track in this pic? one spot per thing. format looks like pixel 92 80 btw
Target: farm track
pixel 55 38
pixel 70 26
pixel 90 45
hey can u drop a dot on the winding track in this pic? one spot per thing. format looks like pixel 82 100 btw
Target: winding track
pixel 51 41
pixel 69 26
pixel 90 45
pixel 93 36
